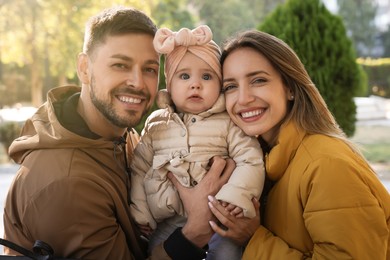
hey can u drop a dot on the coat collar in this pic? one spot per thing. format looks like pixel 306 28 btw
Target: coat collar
pixel 280 156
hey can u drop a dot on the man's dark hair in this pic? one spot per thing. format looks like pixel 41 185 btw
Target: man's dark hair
pixel 115 21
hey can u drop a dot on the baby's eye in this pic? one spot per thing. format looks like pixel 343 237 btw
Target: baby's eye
pixel 184 76
pixel 206 76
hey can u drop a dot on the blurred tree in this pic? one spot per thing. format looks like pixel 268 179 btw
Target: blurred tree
pixel 173 14
pixel 21 39
pixel 270 5
pixel 229 16
pixel 320 40
pixel 386 41
pixel 45 36
pixel 13 86
pixel 359 19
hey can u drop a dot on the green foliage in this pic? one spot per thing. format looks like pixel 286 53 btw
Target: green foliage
pixel 319 38
pixel 8 132
pixel 229 16
pixel 362 89
pixel 378 74
pixel 173 15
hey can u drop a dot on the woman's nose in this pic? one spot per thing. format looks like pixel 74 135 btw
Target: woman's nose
pixel 245 96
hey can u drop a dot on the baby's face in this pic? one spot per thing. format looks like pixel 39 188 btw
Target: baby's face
pixel 195 86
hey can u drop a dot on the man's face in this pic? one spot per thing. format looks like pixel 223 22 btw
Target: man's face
pixel 123 78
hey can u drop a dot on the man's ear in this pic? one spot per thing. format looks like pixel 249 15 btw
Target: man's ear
pixel 83 68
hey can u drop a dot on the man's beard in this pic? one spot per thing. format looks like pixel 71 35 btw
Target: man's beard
pixel 108 110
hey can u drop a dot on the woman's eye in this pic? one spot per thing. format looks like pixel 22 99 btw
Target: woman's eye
pixel 259 81
pixel 184 76
pixel 228 88
pixel 206 77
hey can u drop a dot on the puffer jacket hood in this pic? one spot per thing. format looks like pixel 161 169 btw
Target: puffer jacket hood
pixel 44 131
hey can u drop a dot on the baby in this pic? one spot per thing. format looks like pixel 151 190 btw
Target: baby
pixel 191 127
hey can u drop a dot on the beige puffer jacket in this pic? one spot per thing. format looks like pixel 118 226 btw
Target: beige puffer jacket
pixel 184 144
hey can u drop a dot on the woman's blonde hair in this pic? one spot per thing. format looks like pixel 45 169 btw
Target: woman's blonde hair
pixel 308 109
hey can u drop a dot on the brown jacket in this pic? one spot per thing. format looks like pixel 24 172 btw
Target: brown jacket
pixel 71 191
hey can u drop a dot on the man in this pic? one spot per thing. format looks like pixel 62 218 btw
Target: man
pixel 72 189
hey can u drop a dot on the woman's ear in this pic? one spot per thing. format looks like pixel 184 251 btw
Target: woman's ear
pixel 290 94
pixel 83 68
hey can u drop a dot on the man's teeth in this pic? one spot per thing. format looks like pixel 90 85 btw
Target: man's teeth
pixel 251 113
pixel 130 100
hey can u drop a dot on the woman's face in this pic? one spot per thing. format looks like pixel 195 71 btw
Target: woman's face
pixel 256 98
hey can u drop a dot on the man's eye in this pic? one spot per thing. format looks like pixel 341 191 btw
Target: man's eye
pixel 184 76
pixel 120 66
pixel 151 70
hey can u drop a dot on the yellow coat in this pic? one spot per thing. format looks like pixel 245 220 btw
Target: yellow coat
pixel 327 203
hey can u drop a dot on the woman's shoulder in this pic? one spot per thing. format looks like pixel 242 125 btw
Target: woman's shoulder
pixel 323 150
pixel 324 144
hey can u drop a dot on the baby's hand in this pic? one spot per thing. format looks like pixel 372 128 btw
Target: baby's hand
pixel 146 230
pixel 233 209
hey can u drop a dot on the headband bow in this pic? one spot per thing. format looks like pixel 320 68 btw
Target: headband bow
pixel 165 40
pixel 176 44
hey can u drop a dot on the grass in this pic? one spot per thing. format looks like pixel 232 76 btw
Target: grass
pixel 374 142
pixel 377 153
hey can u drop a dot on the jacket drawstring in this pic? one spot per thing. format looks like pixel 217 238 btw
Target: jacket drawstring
pixel 121 142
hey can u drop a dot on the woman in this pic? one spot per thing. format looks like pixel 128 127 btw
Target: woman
pixel 326 202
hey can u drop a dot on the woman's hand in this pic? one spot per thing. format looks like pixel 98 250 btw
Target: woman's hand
pixel 197 228
pixel 239 230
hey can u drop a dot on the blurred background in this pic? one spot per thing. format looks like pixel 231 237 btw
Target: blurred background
pixel 344 44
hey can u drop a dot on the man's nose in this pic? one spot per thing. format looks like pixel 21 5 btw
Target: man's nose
pixel 135 78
